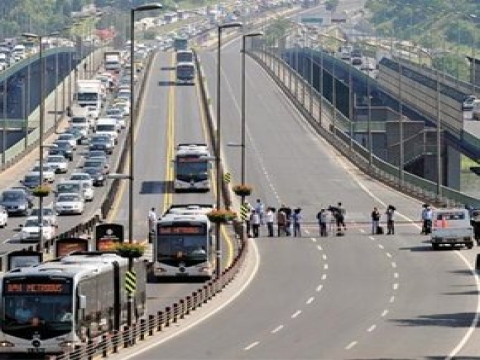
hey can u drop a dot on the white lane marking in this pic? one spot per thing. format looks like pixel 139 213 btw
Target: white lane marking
pixel 351 345
pixel 324 276
pixel 388 255
pixel 381 246
pixel 252 345
pixel 314 240
pixel 319 247
pixel 306 231
pixel 394 264
pixel 371 328
pixel 362 231
pixel 296 313
pixel 395 275
pixel 220 307
pixel 371 238
pixel 309 301
pixel 392 299
pixel 384 313
pixel 324 257
pixel 319 288
pixel 277 329
pixel 325 266
pixel 395 286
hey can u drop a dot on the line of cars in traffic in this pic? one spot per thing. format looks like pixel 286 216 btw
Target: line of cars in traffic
pixel 89 139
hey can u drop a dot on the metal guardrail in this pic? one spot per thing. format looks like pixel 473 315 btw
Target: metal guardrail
pixel 379 169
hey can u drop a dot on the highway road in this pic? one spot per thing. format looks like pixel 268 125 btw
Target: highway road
pixel 171 114
pixel 360 296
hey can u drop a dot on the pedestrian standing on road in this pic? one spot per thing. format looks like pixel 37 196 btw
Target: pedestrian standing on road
pixel 297 220
pixel 322 218
pixel 281 222
pixel 255 223
pixel 269 217
pixel 427 216
pixel 152 219
pixel 390 220
pixel 375 220
pixel 260 209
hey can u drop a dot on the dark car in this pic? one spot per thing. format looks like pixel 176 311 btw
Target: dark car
pixel 25 189
pixel 96 153
pixel 101 143
pixel 15 201
pixel 63 148
pixel 97 174
pixel 97 163
pixel 31 180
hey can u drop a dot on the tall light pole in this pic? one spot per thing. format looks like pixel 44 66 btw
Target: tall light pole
pixel 219 143
pixel 131 131
pixel 41 126
pixel 244 39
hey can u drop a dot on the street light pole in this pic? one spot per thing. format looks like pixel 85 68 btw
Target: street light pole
pixel 218 145
pixel 244 38
pixel 131 131
pixel 41 129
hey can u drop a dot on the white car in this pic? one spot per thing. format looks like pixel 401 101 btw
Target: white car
pixel 87 190
pixel 69 203
pixel 31 230
pixel 48 214
pixel 70 138
pixel 93 112
pixel 58 163
pixel 3 217
pixel 82 177
pixel 48 172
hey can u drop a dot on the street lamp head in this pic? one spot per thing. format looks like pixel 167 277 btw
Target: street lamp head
pixel 230 25
pixel 147 7
pixel 254 34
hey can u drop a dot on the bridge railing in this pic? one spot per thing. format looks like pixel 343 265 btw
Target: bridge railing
pixel 336 132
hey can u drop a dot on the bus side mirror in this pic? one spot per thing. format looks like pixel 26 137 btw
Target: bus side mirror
pixel 82 302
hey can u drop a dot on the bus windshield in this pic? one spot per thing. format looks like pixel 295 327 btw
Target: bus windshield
pixel 185 243
pixel 191 169
pixel 186 71
pixel 44 310
pixel 87 96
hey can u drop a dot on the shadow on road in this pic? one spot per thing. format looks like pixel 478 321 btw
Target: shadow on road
pixel 156 187
pixel 447 320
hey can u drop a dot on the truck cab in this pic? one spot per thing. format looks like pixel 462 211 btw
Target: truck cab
pixel 451 227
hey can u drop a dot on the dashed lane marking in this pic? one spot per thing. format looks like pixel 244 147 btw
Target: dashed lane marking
pixel 371 328
pixel 351 345
pixel 296 313
pixel 252 345
pixel 277 329
pixel 310 300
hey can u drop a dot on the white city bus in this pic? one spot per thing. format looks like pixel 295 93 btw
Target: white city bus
pixel 192 168
pixel 185 73
pixel 54 306
pixel 183 246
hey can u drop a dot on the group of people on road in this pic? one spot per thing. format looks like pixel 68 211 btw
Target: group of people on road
pixel 287 219
pixel 377 229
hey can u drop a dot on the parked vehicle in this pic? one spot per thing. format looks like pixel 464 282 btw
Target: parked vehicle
pixel 451 227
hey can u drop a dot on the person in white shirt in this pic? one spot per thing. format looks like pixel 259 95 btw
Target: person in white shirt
pixel 152 218
pixel 255 223
pixel 269 217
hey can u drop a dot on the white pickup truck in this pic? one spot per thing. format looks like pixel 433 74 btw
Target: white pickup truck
pixel 451 227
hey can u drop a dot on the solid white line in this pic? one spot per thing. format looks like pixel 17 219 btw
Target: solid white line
pixel 392 299
pixel 395 286
pixel 389 255
pixel 309 301
pixel 351 345
pixel 298 312
pixel 384 313
pixel 371 328
pixel 394 264
pixel 220 307
pixel 324 276
pixel 319 288
pixel 252 345
pixel 277 329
